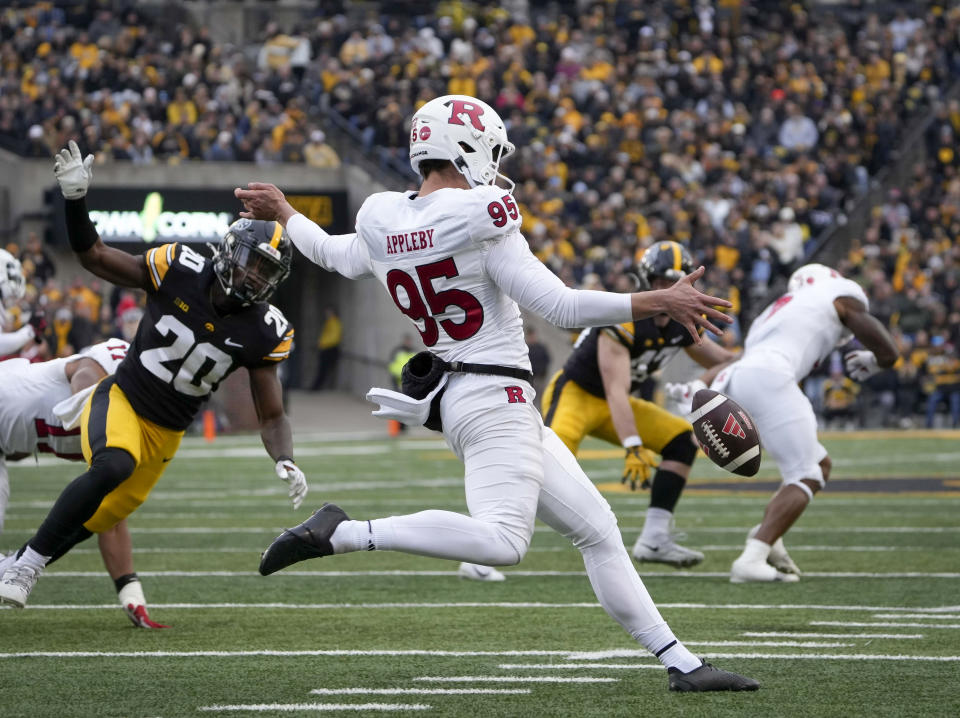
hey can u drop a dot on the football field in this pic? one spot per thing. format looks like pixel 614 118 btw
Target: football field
pixel 872 629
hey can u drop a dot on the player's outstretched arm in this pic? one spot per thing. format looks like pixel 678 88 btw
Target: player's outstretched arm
pixel 275 429
pixel 83 373
pixel 341 253
pixel 73 173
pixel 881 351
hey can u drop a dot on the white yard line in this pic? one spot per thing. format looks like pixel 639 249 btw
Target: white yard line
pixel 535 574
pixel 532 549
pixel 419 691
pixel 461 605
pixel 794 634
pixel 476 679
pixel 513 679
pixel 940 617
pixel 275 654
pixel 883 624
pixel 315 707
pixel 561 666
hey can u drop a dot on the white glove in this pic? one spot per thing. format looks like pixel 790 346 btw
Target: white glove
pixel 682 394
pixel 73 171
pixel 290 472
pixel 861 364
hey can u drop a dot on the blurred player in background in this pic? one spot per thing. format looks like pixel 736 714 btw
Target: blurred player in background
pixel 821 310
pixel 33 399
pixel 453 260
pixel 12 288
pixel 203 320
pixel 592 396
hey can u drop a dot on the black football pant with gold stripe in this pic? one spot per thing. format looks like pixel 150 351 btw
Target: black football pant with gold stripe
pixel 126 455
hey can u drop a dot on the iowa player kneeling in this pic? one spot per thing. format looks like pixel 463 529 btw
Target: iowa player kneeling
pixel 204 319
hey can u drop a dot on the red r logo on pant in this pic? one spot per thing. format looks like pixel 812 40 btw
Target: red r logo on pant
pixel 515 395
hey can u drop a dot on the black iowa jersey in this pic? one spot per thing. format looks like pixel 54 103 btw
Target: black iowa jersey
pixel 650 348
pixel 183 348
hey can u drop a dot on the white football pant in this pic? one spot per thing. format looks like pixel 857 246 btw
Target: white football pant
pixel 517 470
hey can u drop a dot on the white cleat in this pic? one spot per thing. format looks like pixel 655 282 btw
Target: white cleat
pixel 668 552
pixel 16 583
pixel 7 561
pixel 778 558
pixel 758 572
pixel 476 572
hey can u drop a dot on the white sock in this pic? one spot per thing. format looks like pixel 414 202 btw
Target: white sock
pixel 656 528
pixel 351 536
pixel 677 656
pixel 755 550
pixel 33 559
pixel 7 561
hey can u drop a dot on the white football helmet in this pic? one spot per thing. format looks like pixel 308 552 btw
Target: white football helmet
pixel 12 283
pixel 464 130
pixel 809 274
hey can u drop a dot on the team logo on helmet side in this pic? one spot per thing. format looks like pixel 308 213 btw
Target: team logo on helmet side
pixel 459 108
pixel 425 134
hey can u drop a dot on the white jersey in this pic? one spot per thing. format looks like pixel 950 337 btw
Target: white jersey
pixel 455 263
pixel 28 393
pixel 801 328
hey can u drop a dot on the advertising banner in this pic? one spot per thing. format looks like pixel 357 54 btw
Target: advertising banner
pixel 138 217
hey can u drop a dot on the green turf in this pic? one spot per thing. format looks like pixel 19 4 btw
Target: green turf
pixel 866 556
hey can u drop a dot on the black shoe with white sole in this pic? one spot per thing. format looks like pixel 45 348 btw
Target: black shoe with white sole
pixel 311 539
pixel 709 678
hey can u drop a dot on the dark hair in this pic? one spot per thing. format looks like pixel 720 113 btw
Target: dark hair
pixel 428 166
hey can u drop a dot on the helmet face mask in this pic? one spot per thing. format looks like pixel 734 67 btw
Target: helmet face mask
pixel 12 283
pixel 253 258
pixel 462 130
pixel 663 260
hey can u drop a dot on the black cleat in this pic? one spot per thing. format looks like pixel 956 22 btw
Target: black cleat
pixel 708 678
pixel 311 539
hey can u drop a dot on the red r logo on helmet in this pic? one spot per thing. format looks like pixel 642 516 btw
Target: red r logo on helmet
pixel 458 108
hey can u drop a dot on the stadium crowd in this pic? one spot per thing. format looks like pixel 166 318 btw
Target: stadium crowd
pixel 741 129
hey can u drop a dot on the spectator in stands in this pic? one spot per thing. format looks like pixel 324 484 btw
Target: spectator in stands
pixel 318 153
pixel 943 377
pixel 839 400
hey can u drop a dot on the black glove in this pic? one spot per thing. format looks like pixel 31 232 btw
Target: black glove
pixel 39 323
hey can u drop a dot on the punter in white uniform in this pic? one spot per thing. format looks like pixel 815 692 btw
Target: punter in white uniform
pixel 32 399
pixel 820 311
pixel 453 260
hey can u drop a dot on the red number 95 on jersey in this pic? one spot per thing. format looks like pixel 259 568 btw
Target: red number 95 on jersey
pixel 725 432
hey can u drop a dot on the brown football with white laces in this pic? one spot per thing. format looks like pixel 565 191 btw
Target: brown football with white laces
pixel 725 432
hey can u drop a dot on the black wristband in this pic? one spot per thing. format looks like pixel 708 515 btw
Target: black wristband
pixel 80 230
pixel 124 580
pixel 285 458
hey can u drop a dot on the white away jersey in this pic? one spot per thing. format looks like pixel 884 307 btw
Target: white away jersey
pixel 28 393
pixel 802 327
pixel 429 252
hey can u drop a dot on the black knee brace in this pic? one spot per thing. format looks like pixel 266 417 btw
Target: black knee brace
pixel 681 449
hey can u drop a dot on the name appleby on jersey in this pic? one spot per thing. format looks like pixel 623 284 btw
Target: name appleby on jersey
pixel 410 241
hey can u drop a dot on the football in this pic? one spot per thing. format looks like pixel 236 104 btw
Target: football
pixel 725 432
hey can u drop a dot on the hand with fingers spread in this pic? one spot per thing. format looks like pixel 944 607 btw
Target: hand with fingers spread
pixel 692 308
pixel 264 201
pixel 638 463
pixel 73 171
pixel 291 473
